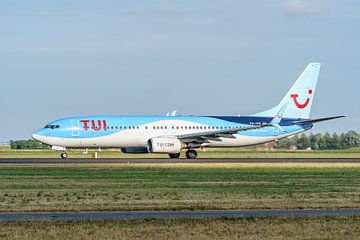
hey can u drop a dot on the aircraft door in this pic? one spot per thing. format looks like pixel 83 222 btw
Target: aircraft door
pixel 75 128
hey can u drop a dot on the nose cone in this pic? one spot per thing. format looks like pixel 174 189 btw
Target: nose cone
pixel 38 135
pixel 35 136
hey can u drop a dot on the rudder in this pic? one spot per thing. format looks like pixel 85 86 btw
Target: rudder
pixel 299 98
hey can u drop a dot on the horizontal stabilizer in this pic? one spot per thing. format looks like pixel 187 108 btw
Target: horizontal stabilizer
pixel 317 120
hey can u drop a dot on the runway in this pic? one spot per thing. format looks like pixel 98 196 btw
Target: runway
pixel 87 216
pixel 164 160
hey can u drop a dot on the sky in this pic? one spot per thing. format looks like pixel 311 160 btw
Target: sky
pixel 88 57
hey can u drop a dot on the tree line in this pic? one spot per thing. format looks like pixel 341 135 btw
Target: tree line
pixel 317 141
pixel 27 144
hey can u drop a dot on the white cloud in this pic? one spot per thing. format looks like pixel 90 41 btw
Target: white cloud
pixel 302 7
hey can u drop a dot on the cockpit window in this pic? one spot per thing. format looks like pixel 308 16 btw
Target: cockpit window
pixel 52 126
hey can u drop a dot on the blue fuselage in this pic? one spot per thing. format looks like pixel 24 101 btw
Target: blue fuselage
pixel 135 131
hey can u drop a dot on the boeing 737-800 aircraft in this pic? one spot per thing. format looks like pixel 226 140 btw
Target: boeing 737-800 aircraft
pixel 170 134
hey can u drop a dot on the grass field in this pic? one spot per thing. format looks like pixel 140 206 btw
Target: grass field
pixel 243 228
pixel 178 186
pixel 208 153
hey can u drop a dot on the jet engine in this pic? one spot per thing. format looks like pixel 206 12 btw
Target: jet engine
pixel 164 145
pixel 134 150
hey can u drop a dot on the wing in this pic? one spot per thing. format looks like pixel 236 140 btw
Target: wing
pixel 202 137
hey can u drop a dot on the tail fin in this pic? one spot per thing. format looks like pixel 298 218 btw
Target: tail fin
pixel 299 98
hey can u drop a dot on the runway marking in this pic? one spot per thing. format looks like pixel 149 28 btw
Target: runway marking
pixel 82 216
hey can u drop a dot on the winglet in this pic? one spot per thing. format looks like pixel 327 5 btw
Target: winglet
pixel 173 113
pixel 277 118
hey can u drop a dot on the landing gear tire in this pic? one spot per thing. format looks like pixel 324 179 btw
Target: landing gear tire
pixel 191 154
pixel 64 155
pixel 174 155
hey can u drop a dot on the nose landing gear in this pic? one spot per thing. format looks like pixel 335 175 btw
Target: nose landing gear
pixel 64 155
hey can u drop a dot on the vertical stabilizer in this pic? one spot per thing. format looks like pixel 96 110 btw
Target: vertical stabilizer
pixel 299 98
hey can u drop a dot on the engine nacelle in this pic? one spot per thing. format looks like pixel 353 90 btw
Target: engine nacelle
pixel 134 150
pixel 164 145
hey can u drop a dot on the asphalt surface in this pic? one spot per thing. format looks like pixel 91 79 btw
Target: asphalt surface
pixel 199 160
pixel 81 216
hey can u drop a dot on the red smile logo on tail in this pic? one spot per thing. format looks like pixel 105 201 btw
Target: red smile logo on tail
pixel 301 105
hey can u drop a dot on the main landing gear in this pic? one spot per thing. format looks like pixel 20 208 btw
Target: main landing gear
pixel 191 154
pixel 64 155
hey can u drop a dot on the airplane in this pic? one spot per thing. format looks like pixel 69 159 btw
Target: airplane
pixel 172 133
